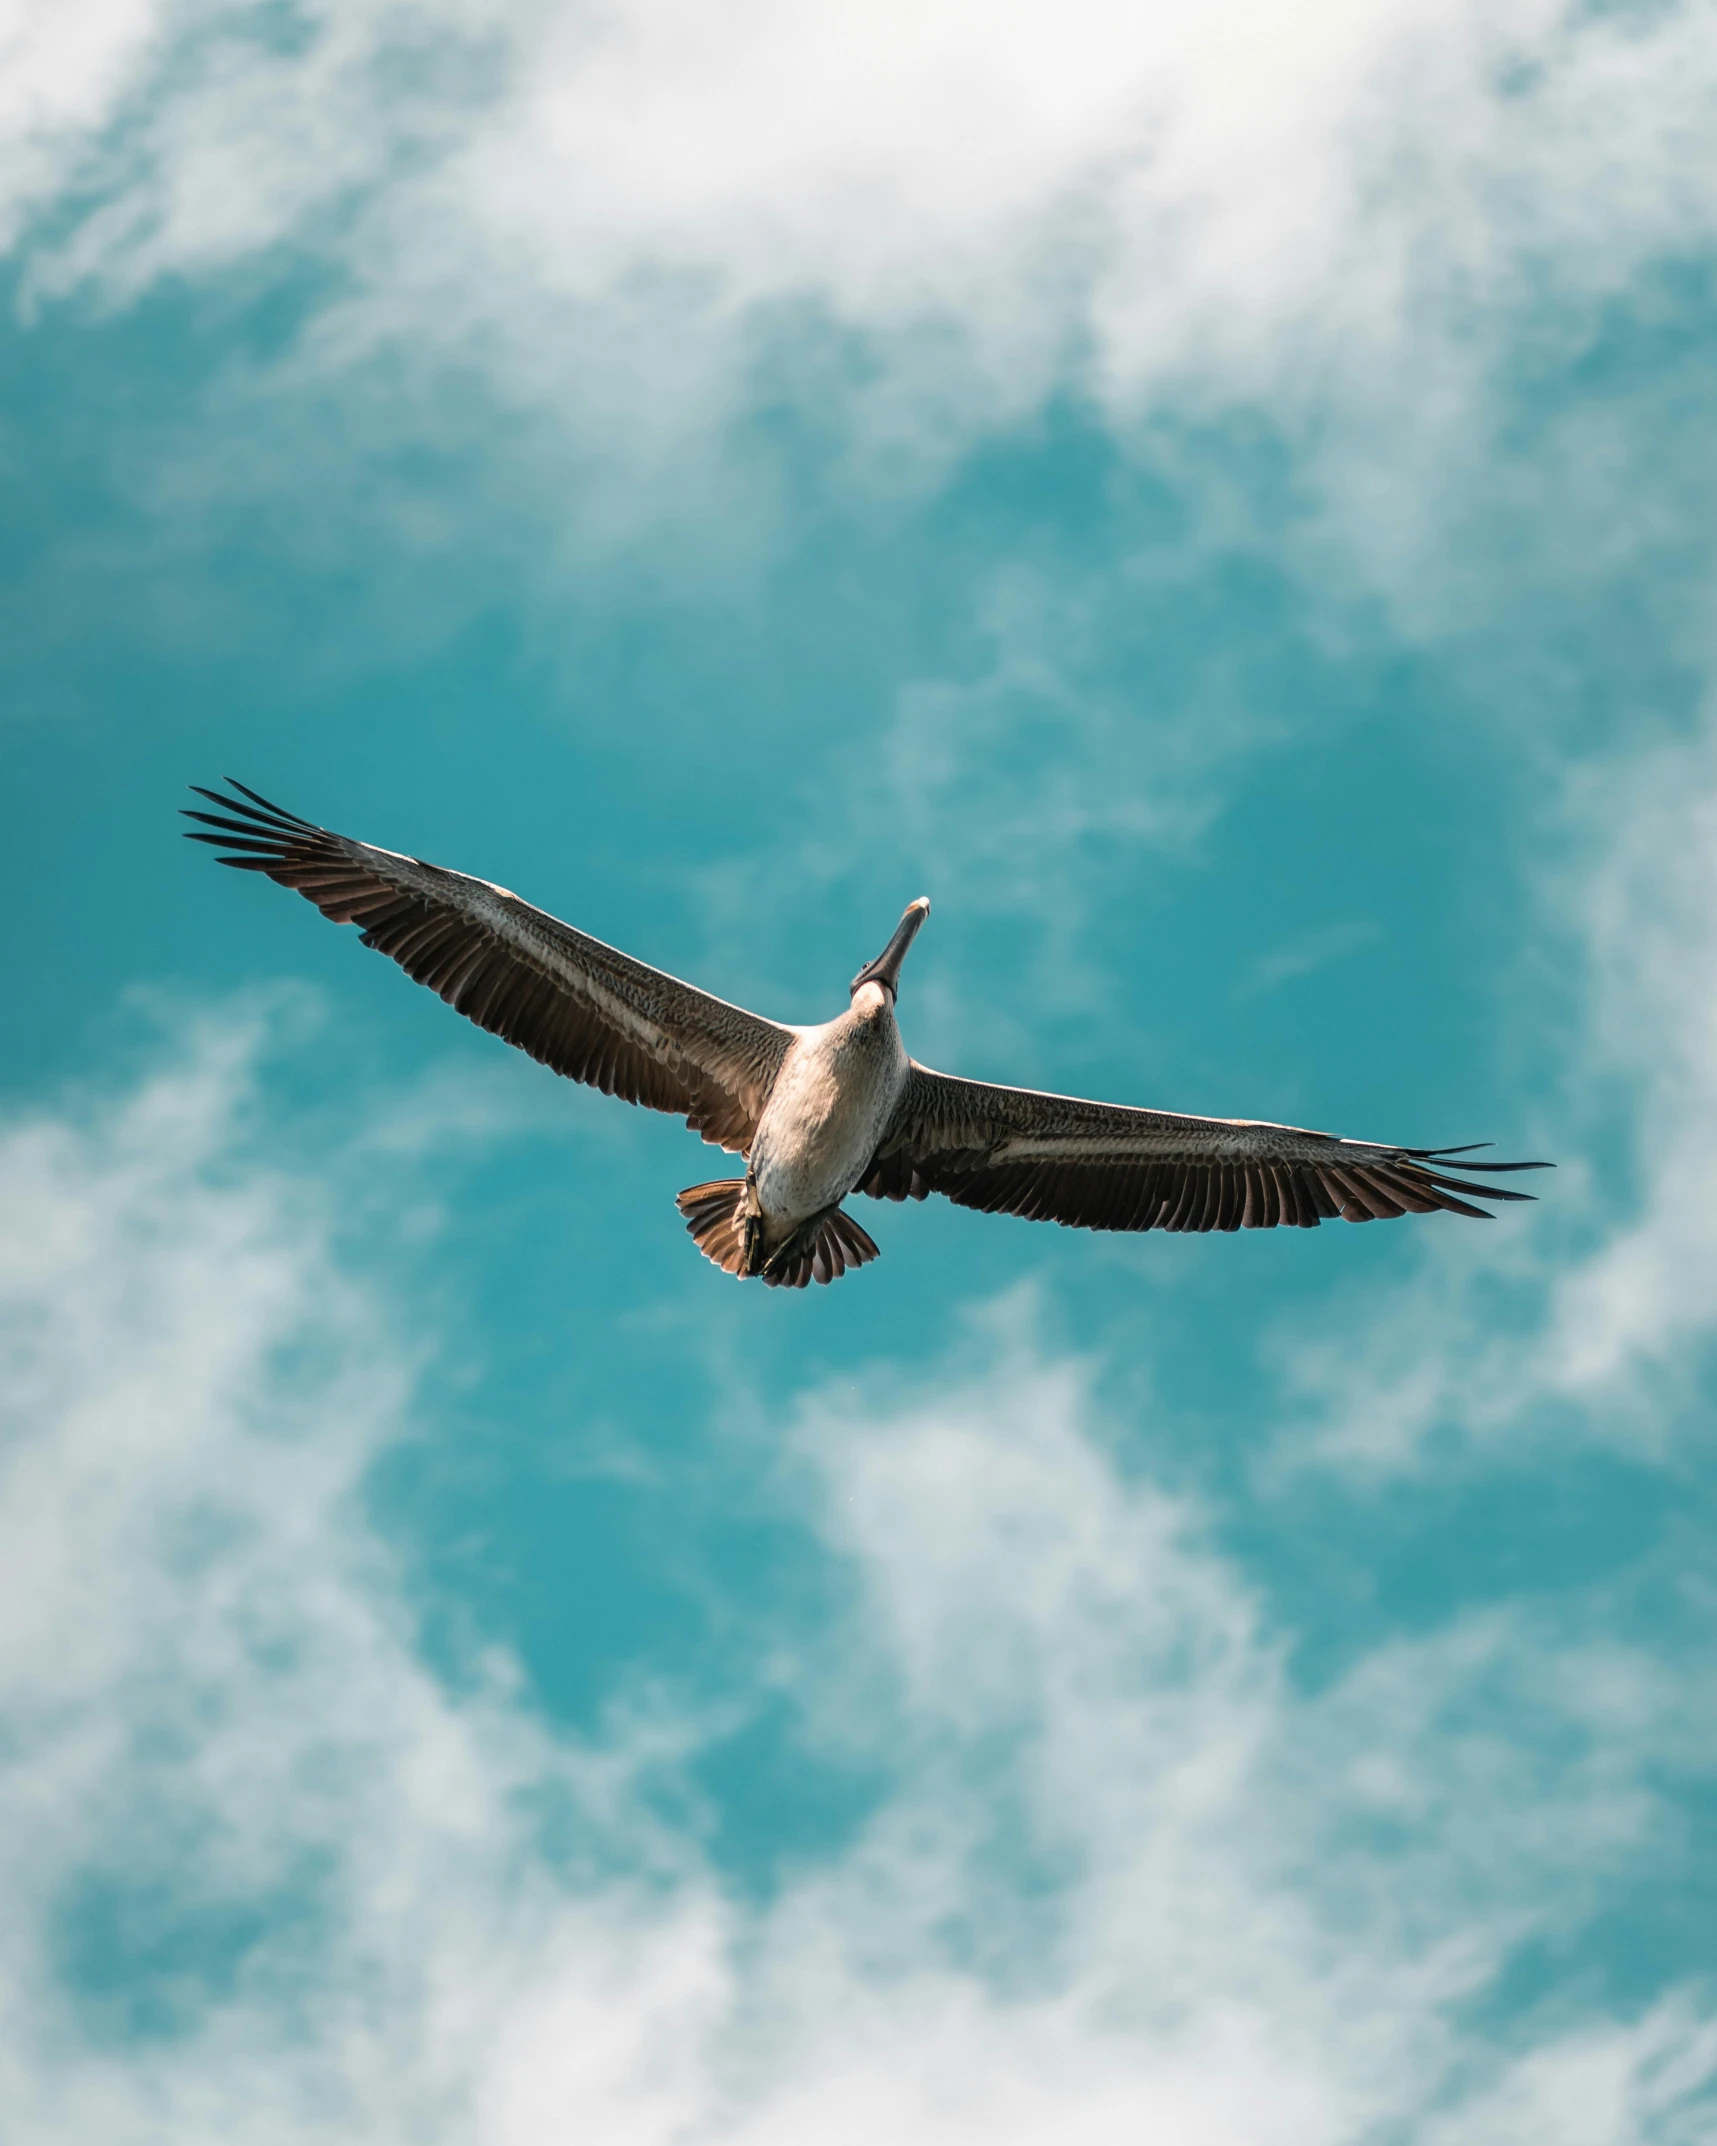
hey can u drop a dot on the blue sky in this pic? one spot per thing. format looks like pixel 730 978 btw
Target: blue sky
pixel 1222 506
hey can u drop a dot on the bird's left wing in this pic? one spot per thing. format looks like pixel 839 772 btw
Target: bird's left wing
pixel 1102 1166
pixel 583 1008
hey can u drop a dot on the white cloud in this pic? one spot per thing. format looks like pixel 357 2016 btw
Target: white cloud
pixel 1603 1306
pixel 63 73
pixel 1642 1303
pixel 1306 956
pixel 915 222
pixel 1012 787
pixel 207 1667
pixel 1126 1877
pixel 1640 2083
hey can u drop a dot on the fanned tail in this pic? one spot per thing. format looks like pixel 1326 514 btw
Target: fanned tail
pixel 717 1218
pixel 822 1251
pixel 725 1229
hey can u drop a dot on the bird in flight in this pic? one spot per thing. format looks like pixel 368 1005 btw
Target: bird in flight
pixel 821 1112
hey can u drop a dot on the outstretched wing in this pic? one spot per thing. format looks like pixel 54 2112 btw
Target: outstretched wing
pixel 1100 1166
pixel 583 1008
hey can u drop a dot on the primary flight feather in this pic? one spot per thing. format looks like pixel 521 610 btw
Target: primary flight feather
pixel 820 1112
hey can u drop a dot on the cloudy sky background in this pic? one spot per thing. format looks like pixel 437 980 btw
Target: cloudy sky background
pixel 1220 500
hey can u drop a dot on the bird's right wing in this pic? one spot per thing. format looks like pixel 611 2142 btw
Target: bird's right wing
pixel 583 1008
pixel 1103 1166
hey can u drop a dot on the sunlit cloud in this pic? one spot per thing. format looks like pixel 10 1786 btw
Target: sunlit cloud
pixel 1128 1868
pixel 265 1871
pixel 1305 957
pixel 641 224
pixel 1605 1309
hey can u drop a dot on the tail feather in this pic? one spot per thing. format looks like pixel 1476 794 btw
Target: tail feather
pixel 821 1252
pixel 721 1221
pixel 716 1217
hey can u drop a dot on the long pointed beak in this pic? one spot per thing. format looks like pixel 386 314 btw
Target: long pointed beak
pixel 885 969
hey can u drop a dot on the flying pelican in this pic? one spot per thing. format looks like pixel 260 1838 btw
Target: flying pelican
pixel 824 1111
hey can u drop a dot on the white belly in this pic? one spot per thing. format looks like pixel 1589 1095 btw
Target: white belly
pixel 830 1105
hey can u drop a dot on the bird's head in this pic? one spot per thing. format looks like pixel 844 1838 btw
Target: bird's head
pixel 885 969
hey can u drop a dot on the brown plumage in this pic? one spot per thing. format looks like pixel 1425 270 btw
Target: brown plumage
pixel 583 1008
pixel 596 1015
pixel 1103 1166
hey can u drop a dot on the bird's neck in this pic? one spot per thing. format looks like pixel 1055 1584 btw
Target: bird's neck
pixel 872 1003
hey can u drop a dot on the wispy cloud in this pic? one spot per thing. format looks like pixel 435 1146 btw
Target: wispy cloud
pixel 263 1872
pixel 1605 1308
pixel 1024 786
pixel 639 225
pixel 1287 964
pixel 241 1791
pixel 261 1869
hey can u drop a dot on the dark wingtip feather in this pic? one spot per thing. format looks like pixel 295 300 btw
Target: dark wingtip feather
pixel 1483 1192
pixel 250 805
pixel 257 835
pixel 1491 1169
pixel 252 830
pixel 279 811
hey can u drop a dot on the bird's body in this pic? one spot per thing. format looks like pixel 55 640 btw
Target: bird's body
pixel 819 1112
pixel 838 1088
